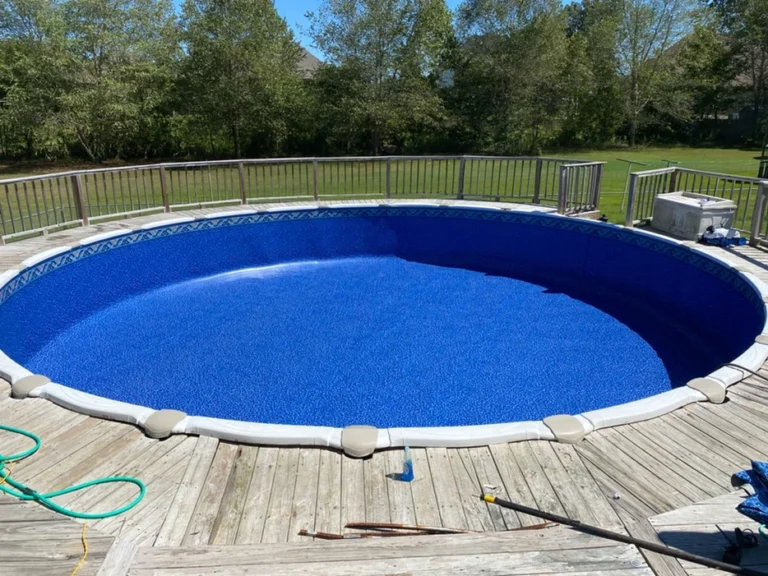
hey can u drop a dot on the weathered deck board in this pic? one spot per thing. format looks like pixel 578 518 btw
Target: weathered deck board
pixel 401 507
pixel 553 550
pixel 695 529
pixel 278 521
pixel 305 494
pixel 233 500
pixel 251 525
pixel 210 496
pixel 183 507
pixel 35 541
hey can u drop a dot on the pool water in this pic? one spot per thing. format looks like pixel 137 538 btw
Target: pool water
pixel 391 317
pixel 373 340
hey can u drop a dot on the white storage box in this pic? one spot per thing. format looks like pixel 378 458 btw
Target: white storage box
pixel 688 215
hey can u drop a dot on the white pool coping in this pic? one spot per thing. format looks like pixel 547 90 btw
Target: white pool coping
pixel 448 436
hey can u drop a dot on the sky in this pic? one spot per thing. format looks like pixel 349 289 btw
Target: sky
pixel 294 10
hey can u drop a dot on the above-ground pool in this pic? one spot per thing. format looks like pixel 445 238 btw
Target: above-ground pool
pixel 394 317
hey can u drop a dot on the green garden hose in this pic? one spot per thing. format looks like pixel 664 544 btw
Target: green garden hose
pixel 18 490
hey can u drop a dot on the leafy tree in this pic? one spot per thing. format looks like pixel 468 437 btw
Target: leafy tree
pixel 34 71
pixel 384 64
pixel 510 79
pixel 240 73
pixel 123 50
pixel 647 30
pixel 709 68
pixel 595 111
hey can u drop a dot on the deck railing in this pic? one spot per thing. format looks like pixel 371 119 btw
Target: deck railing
pixel 580 187
pixel 645 186
pixel 38 204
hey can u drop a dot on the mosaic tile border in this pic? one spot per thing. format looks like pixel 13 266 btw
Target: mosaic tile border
pixel 590 228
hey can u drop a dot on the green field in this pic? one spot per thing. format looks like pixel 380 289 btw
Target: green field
pixel 40 205
pixel 726 161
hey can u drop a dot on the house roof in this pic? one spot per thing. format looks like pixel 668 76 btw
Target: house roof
pixel 308 64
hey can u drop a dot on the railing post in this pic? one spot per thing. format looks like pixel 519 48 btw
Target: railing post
pixel 241 177
pixel 629 220
pixel 673 181
pixel 598 183
pixel 537 181
pixel 460 192
pixel 164 190
pixel 757 215
pixel 562 196
pixel 387 193
pixel 77 190
pixel 314 178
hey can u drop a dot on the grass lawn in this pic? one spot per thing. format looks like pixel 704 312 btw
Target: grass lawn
pixel 408 179
pixel 727 161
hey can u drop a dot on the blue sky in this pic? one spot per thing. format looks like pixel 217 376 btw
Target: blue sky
pixel 294 10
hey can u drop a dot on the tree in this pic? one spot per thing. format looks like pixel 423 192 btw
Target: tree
pixel 384 61
pixel 509 82
pixel 124 51
pixel 647 31
pixel 240 75
pixel 34 73
pixel 709 69
pixel 595 111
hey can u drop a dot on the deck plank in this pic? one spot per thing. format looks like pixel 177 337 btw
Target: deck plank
pixel 587 486
pixel 423 490
pixel 491 483
pixel 702 433
pixel 750 447
pixel 256 506
pixel 543 493
pixel 176 522
pixel 514 482
pixel 211 495
pixel 69 449
pixel 401 508
pixel 707 462
pixel 616 478
pixel 476 511
pixel 375 470
pixel 328 514
pixel 447 493
pixel 119 559
pixel 685 479
pixel 644 483
pixel 233 501
pixel 352 490
pixel 305 495
pixel 565 488
pixel 278 521
pixel 164 473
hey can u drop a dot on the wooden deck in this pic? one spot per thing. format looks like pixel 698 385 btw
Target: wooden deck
pixel 239 507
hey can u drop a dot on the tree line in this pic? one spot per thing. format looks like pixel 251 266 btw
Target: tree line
pixel 141 79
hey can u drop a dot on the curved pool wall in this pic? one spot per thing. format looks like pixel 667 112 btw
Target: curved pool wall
pixel 715 305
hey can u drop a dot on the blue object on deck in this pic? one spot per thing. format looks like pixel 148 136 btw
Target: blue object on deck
pixel 407 475
pixel 756 506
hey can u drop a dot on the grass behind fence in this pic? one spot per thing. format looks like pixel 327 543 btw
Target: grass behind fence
pixel 50 202
pixel 489 179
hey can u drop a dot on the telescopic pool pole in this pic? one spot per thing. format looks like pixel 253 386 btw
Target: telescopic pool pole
pixel 615 536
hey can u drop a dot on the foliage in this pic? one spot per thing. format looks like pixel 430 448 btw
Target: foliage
pixel 385 59
pixel 239 75
pixel 106 79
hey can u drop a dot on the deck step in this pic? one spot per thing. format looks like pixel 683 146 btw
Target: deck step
pixel 37 542
pixel 555 550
